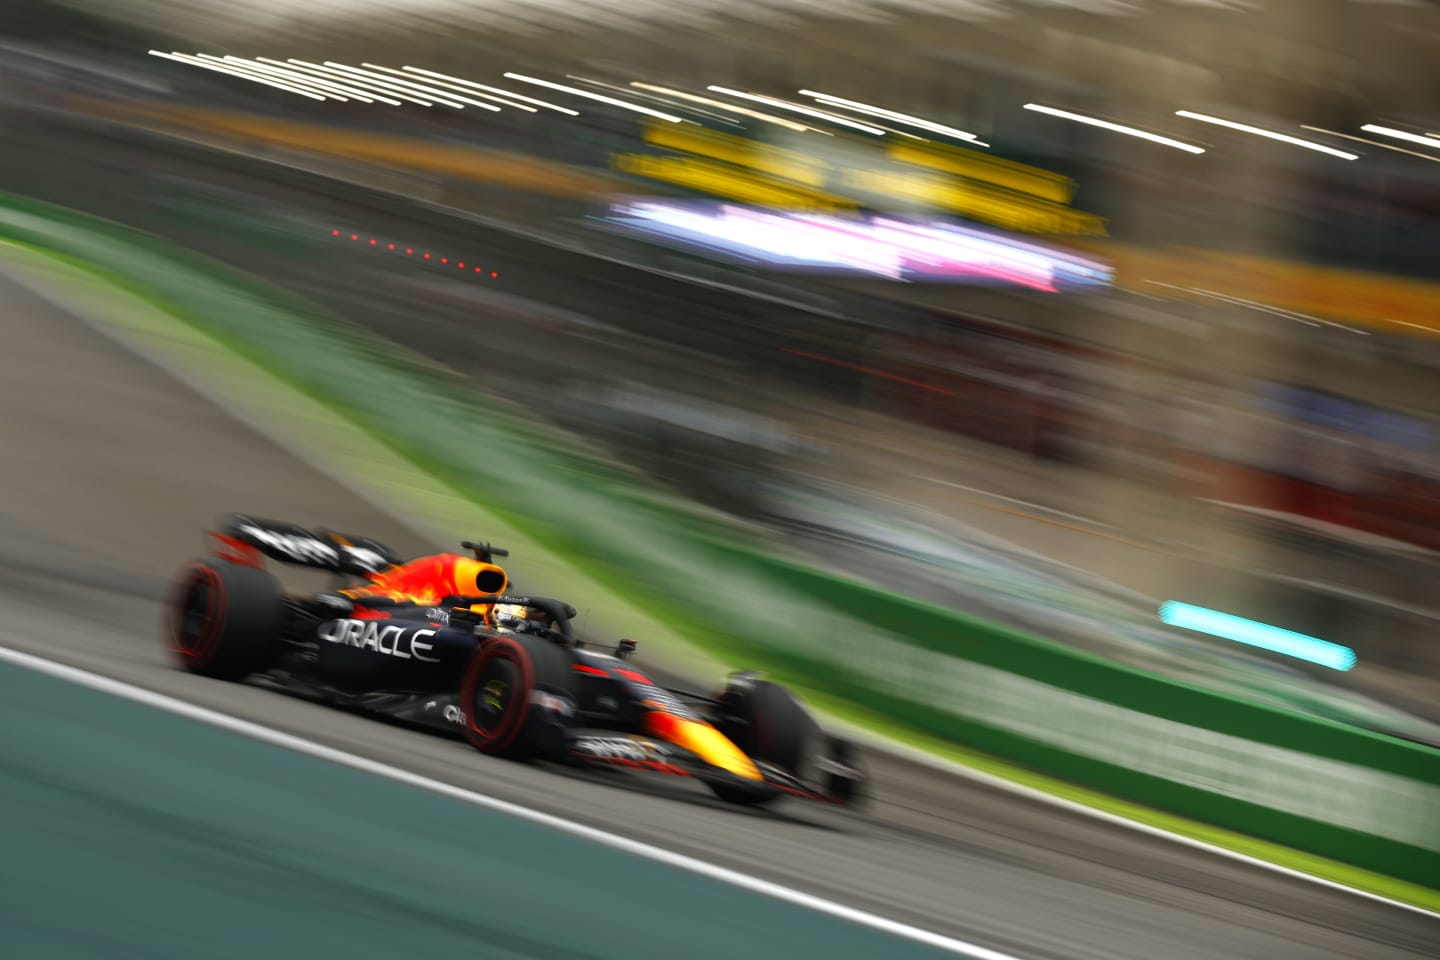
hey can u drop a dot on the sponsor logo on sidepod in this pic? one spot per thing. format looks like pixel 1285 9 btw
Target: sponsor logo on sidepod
pixel 395 641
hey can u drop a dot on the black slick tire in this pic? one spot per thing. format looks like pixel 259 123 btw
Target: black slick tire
pixel 766 721
pixel 496 696
pixel 225 619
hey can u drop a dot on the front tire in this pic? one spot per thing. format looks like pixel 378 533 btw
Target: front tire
pixel 766 721
pixel 225 620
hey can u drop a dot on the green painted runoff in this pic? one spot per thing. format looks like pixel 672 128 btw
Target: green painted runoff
pixel 128 831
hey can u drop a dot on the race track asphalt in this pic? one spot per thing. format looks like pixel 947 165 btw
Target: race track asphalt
pixel 112 469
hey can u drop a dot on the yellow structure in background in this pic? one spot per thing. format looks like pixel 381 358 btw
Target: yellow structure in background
pixel 729 181
pixel 740 151
pixel 983 168
pixel 1002 208
pixel 975 185
pixel 1392 304
pixel 951 179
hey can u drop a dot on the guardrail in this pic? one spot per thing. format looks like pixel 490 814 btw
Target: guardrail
pixel 1323 787
pixel 1331 790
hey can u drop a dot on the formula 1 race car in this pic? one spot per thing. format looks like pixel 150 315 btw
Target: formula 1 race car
pixel 438 641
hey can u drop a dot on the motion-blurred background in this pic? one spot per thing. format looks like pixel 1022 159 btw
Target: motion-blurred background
pixel 1050 311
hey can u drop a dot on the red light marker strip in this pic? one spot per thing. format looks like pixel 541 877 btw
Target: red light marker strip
pixel 410 251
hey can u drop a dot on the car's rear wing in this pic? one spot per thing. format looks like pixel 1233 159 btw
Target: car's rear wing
pixel 323 549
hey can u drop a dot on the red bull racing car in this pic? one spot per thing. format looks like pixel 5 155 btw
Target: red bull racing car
pixel 441 641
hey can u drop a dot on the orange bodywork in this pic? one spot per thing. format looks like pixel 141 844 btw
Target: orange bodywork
pixel 429 580
pixel 704 741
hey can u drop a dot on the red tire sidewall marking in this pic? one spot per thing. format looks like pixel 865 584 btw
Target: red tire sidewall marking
pixel 204 650
pixel 513 720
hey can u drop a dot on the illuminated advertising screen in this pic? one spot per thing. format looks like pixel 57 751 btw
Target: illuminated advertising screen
pixel 902 249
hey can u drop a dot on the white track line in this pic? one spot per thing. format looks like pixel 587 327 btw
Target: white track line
pixel 878 741
pixel 955 768
pixel 287 741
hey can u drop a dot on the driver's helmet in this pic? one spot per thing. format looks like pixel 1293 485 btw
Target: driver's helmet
pixel 509 615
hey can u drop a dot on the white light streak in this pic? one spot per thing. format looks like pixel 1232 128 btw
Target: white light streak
pixel 919 122
pixel 451 100
pixel 251 70
pixel 732 108
pixel 1268 134
pixel 800 109
pixel 1115 127
pixel 298 79
pixel 669 102
pixel 505 93
pixel 426 89
pixel 228 71
pixel 352 87
pixel 1375 143
pixel 456 86
pixel 1400 134
pixel 623 104
pixel 394 91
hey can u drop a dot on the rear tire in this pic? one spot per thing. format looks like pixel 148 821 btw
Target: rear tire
pixel 225 620
pixel 496 692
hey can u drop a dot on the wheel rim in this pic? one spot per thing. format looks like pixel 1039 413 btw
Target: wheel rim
pixel 494 691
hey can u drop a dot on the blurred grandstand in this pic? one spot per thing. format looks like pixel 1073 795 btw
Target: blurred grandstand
pixel 1246 417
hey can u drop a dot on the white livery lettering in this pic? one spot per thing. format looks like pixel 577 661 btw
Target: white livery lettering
pixel 364 557
pixel 300 548
pixel 617 748
pixel 420 648
pixel 664 700
pixel 390 639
